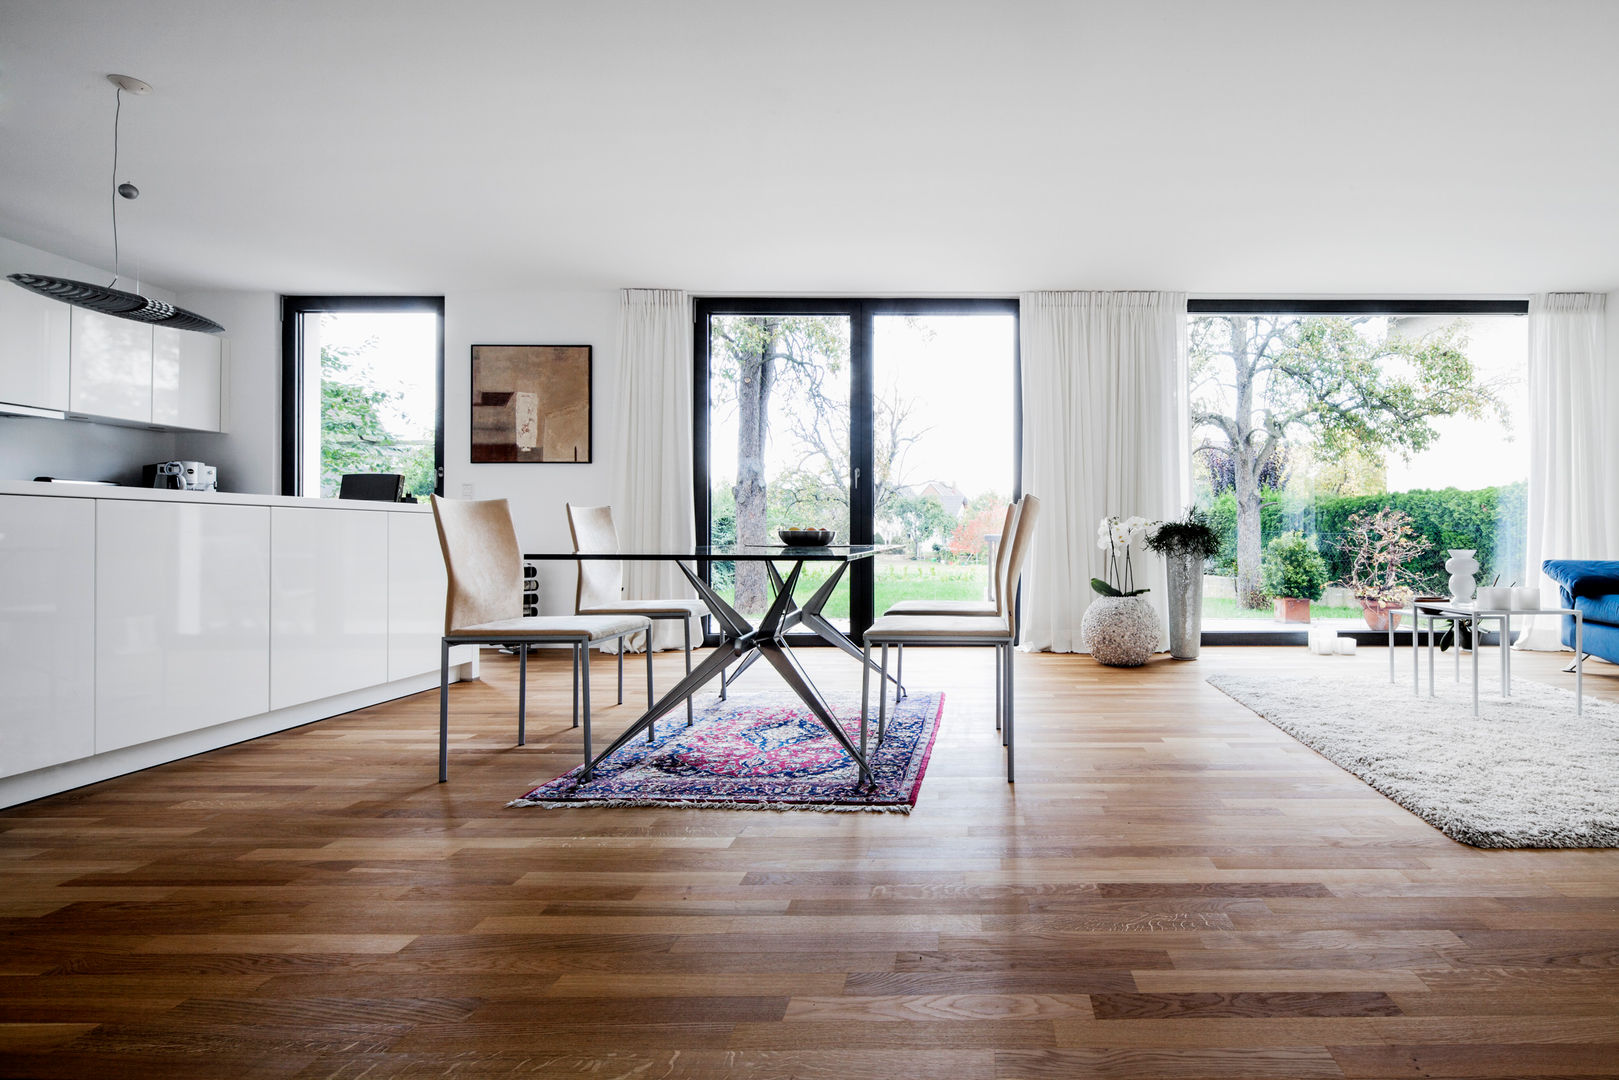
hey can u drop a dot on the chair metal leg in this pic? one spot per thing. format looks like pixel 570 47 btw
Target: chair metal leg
pixel 685 624
pixel 1011 712
pixel 621 667
pixel 1000 697
pixel 1575 663
pixel 899 674
pixel 649 699
pixel 882 700
pixel 865 697
pixel 576 686
pixel 722 685
pixel 522 692
pixel 1004 658
pixel 443 711
pixel 584 694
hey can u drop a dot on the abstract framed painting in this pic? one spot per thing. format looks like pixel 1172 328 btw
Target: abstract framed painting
pixel 531 403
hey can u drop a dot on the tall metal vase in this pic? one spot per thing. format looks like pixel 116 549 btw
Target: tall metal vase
pixel 1185 605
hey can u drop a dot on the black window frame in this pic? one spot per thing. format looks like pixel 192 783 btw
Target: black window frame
pixel 1254 305
pixel 293 309
pixel 861 312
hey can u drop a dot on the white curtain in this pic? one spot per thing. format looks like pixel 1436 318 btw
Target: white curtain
pixel 652 479
pixel 1105 431
pixel 1573 449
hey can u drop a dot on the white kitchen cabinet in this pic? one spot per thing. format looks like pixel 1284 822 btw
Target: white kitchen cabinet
pixel 47 631
pixel 328 602
pixel 185 379
pixel 33 349
pixel 110 367
pixel 415 595
pixel 183 618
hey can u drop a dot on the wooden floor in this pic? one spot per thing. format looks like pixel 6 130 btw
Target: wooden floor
pixel 1173 888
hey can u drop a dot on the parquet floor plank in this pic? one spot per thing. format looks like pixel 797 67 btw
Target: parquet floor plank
pixel 1174 889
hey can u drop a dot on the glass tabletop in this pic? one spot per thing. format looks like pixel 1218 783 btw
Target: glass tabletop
pixel 732 553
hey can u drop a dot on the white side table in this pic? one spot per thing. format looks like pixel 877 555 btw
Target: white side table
pixel 1434 611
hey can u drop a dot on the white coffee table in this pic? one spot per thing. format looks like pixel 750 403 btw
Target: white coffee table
pixel 1436 610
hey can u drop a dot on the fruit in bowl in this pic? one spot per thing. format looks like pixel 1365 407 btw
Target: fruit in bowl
pixel 805 537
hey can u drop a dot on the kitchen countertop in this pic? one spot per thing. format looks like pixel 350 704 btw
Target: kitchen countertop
pixel 215 498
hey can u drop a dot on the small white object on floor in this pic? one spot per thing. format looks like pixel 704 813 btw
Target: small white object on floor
pixel 1323 642
pixel 1344 646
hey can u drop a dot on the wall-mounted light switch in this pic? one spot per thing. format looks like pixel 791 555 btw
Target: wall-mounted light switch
pixel 468 491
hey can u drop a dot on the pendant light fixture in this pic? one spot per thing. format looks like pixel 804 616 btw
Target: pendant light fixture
pixel 104 298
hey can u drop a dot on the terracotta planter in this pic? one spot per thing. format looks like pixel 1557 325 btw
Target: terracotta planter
pixel 1292 609
pixel 1380 616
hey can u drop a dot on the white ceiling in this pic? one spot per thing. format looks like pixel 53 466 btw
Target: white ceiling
pixel 1412 147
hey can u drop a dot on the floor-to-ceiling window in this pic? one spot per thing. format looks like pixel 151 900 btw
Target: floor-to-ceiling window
pixel 884 420
pixel 363 390
pixel 1354 444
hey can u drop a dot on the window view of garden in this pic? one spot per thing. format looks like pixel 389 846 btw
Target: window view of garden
pixel 378 398
pixel 779 447
pixel 1341 459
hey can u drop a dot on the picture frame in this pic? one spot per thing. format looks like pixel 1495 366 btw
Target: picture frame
pixel 532 403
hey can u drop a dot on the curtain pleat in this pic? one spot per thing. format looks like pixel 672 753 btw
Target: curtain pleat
pixel 1105 431
pixel 1573 448
pixel 652 486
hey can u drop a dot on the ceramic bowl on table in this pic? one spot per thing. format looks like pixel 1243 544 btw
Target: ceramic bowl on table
pixel 1492 598
pixel 805 537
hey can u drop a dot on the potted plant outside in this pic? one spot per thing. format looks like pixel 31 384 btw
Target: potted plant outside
pixel 1293 573
pixel 1185 545
pixel 1119 627
pixel 1381 547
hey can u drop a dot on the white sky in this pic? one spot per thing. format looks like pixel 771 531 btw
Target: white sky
pixel 956 370
pixel 404 360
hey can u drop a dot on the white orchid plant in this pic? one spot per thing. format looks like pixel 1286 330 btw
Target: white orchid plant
pixel 1116 537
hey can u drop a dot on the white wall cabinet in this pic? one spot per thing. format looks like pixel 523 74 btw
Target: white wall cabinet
pixel 110 366
pixel 416 583
pixel 183 618
pixel 185 379
pixel 328 602
pixel 33 349
pixel 47 631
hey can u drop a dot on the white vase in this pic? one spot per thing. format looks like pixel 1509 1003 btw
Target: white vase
pixel 1121 631
pixel 1462 566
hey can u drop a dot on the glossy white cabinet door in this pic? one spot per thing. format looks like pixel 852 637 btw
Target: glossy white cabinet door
pixel 328 602
pixel 415 595
pixel 185 379
pixel 47 631
pixel 183 618
pixel 110 369
pixel 33 348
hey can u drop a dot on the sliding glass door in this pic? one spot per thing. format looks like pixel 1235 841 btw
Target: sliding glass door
pixel 889 421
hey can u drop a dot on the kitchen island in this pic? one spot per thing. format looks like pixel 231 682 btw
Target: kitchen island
pixel 138 625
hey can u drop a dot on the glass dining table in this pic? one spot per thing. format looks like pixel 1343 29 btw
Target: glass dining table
pixel 742 642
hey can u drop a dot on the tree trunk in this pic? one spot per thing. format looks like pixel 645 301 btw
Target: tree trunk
pixel 753 420
pixel 1249 550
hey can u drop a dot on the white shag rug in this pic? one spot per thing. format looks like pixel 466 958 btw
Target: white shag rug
pixel 1525 773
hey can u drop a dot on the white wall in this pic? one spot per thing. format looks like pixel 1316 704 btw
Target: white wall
pixel 248 453
pixel 76 449
pixel 537 492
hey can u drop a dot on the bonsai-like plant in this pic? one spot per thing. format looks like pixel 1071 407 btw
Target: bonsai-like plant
pixel 1193 535
pixel 1292 569
pixel 1381 547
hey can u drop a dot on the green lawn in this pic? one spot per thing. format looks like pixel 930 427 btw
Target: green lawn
pixel 1224 607
pixel 897 579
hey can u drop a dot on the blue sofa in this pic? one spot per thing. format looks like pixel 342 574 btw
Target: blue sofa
pixel 1590 587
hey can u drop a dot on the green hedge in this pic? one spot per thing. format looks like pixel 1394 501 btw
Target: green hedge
pixel 1490 520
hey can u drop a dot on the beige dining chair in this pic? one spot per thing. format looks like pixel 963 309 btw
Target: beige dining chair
pixel 998 632
pixel 601 588
pixel 992 608
pixel 483 605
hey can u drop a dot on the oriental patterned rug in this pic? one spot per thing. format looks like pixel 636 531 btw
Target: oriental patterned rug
pixel 764 751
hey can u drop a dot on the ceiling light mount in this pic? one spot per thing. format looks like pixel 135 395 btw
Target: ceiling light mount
pixel 104 298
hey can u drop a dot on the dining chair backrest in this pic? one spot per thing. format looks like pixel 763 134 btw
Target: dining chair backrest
pixel 1003 556
pixel 1028 514
pixel 482 562
pixel 601 582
